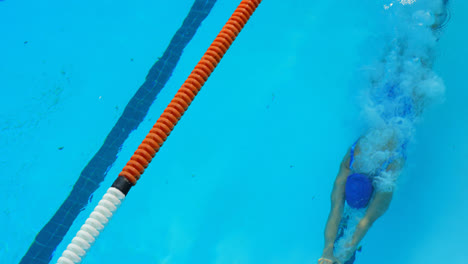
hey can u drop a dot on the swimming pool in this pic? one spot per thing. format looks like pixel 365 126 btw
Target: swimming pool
pixel 246 175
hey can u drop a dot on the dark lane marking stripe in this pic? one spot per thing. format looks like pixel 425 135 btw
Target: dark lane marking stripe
pixel 47 240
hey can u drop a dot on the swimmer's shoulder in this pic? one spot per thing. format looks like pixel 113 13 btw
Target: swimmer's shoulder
pixel 345 162
pixel 347 158
pixel 397 164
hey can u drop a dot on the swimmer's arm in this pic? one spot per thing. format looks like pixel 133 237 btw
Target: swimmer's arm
pixel 337 205
pixel 376 209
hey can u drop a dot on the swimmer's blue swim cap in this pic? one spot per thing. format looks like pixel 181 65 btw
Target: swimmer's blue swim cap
pixel 358 190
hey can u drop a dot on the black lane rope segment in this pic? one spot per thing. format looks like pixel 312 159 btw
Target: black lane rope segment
pixel 42 249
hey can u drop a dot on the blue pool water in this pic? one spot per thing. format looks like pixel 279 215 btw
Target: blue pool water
pixel 246 175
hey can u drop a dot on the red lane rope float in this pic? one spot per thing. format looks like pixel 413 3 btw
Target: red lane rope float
pixel 184 97
pixel 130 174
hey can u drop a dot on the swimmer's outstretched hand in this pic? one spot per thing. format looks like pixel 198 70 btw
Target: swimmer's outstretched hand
pixel 328 260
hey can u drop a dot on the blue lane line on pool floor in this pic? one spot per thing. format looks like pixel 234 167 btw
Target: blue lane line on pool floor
pixel 47 240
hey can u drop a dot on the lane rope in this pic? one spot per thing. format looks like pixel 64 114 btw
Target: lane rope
pixel 140 160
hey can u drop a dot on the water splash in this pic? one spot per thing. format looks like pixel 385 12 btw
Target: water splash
pixel 400 87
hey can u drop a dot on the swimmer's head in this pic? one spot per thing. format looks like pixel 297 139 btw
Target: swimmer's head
pixel 358 190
